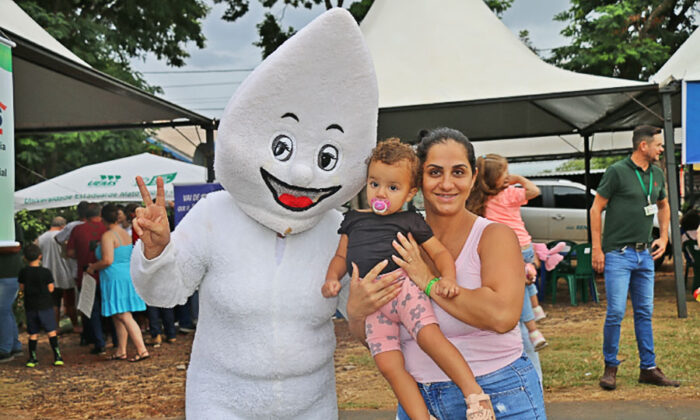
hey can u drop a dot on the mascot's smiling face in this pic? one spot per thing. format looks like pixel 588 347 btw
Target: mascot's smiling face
pixel 293 139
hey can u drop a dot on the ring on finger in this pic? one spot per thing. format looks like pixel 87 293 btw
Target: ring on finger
pixel 409 260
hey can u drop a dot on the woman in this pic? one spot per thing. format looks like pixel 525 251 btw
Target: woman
pixel 119 298
pixel 481 321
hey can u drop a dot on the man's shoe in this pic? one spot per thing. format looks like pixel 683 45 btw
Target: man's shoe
pixel 656 377
pixel 186 330
pixel 607 381
pixel 98 351
pixel 17 351
pixel 6 357
pixel 154 341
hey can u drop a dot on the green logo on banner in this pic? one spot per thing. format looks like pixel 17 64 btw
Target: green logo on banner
pixel 167 179
pixel 5 57
pixel 105 181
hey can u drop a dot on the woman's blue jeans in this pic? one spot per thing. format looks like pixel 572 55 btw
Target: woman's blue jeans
pixel 8 325
pixel 514 390
pixel 629 271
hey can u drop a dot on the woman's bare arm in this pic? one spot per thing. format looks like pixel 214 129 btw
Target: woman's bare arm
pixel 107 243
pixel 497 304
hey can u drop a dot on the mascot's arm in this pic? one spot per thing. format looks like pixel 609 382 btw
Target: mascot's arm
pixel 173 276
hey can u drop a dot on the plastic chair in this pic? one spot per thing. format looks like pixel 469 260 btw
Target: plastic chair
pixel 564 269
pixel 584 271
pixel 541 282
pixel 691 251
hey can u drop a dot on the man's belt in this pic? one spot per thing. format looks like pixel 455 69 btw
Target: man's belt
pixel 637 246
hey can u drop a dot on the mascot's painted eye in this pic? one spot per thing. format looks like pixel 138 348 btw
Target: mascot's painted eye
pixel 328 157
pixel 282 147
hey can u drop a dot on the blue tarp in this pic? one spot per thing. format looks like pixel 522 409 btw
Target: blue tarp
pixel 692 123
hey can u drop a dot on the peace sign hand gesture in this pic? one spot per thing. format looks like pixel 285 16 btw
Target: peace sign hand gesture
pixel 151 222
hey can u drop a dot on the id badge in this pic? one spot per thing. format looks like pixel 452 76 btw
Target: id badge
pixel 651 210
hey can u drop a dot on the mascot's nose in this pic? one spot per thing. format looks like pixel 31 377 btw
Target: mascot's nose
pixel 301 175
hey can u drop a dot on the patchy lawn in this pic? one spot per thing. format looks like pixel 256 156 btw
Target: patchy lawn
pixel 90 387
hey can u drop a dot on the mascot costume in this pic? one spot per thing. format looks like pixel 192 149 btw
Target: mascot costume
pixel 290 150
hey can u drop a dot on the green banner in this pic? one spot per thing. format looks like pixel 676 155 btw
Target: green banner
pixel 7 149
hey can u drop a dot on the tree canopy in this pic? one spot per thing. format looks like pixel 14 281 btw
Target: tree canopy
pixel 108 34
pixel 630 39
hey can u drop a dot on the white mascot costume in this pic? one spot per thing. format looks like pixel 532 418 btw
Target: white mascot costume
pixel 290 150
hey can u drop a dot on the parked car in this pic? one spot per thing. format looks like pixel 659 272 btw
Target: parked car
pixel 560 213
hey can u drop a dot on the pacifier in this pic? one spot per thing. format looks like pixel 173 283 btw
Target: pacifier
pixel 379 206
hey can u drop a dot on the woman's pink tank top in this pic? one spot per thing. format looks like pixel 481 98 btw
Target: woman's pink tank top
pixel 484 351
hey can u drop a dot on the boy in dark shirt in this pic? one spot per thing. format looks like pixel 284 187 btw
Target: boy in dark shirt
pixel 37 284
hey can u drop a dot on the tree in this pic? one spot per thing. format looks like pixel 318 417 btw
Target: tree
pixel 272 35
pixel 631 39
pixel 107 34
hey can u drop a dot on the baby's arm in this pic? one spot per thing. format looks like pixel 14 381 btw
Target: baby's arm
pixel 336 269
pixel 447 286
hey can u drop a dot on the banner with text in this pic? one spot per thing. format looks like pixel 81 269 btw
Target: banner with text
pixel 691 122
pixel 187 195
pixel 7 148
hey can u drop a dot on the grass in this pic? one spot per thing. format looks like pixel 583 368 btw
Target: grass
pixel 573 362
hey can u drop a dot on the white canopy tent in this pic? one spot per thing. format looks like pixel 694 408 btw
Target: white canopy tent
pixel 456 64
pixel 109 181
pixel 684 64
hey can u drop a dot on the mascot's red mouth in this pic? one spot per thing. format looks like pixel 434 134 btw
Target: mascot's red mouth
pixel 295 198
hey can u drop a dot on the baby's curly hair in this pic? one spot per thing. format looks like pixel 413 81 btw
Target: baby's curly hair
pixel 392 151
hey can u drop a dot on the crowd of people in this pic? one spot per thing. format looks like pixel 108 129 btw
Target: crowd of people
pixel 49 274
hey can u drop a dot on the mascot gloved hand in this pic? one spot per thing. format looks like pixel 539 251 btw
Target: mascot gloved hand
pixel 290 150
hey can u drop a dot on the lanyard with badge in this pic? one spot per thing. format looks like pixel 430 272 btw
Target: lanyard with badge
pixel 649 209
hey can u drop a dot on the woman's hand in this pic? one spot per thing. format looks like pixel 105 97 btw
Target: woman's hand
pixel 367 295
pixel 151 222
pixel 411 260
pixel 90 269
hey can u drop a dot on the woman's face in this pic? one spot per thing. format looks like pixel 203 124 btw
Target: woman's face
pixel 121 217
pixel 447 178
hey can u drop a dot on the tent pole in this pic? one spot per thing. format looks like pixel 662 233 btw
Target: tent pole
pixel 673 193
pixel 210 152
pixel 587 181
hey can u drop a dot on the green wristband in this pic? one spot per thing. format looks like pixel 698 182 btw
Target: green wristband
pixel 430 285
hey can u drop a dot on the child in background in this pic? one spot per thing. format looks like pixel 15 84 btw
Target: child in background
pixel 37 284
pixel 496 198
pixel 366 239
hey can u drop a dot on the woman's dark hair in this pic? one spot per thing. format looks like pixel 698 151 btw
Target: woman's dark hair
pixel 429 138
pixel 110 213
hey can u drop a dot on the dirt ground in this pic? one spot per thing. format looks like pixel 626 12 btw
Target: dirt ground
pixel 90 387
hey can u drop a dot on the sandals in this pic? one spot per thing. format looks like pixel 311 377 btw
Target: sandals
pixel 140 357
pixel 475 411
pixel 116 356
